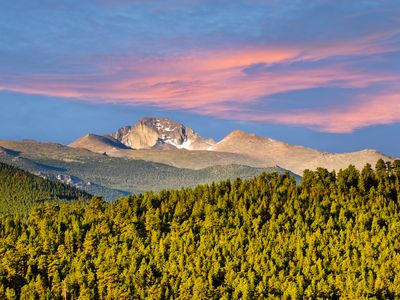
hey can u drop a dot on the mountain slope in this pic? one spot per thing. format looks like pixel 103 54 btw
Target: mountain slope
pixel 98 143
pixel 292 157
pixel 20 190
pixel 182 158
pixel 93 172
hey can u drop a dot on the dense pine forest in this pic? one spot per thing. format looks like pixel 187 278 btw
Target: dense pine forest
pixel 20 190
pixel 333 236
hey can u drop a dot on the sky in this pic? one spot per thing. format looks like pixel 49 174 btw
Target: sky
pixel 323 73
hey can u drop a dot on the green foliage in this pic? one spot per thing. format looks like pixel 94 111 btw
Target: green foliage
pixel 333 236
pixel 20 190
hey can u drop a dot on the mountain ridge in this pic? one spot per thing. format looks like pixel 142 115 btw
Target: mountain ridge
pixel 295 158
pixel 166 136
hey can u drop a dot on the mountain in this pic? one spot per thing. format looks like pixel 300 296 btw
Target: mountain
pixel 98 143
pixel 20 190
pixel 292 157
pixel 165 141
pixel 166 155
pixel 270 151
pixel 113 177
pixel 164 148
pixel 153 132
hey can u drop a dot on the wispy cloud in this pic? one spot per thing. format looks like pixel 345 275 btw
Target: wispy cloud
pixel 366 110
pixel 209 70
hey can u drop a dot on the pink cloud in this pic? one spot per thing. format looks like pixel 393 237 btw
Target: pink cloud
pixel 213 82
pixel 367 110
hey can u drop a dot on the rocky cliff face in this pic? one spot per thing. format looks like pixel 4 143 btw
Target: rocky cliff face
pixel 156 132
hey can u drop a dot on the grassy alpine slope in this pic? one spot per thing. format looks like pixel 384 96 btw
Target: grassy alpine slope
pixel 333 236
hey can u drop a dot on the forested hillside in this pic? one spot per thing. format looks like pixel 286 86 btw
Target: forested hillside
pixel 333 236
pixel 20 190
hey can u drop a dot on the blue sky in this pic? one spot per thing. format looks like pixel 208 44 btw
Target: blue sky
pixel 318 73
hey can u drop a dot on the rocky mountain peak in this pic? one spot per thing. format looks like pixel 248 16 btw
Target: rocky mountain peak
pixel 153 132
pixel 169 132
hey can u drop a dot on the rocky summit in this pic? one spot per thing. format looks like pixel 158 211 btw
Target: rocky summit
pixel 158 132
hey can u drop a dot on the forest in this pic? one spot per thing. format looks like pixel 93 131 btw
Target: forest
pixel 20 191
pixel 334 235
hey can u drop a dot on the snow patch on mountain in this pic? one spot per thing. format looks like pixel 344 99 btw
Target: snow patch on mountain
pixel 153 132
